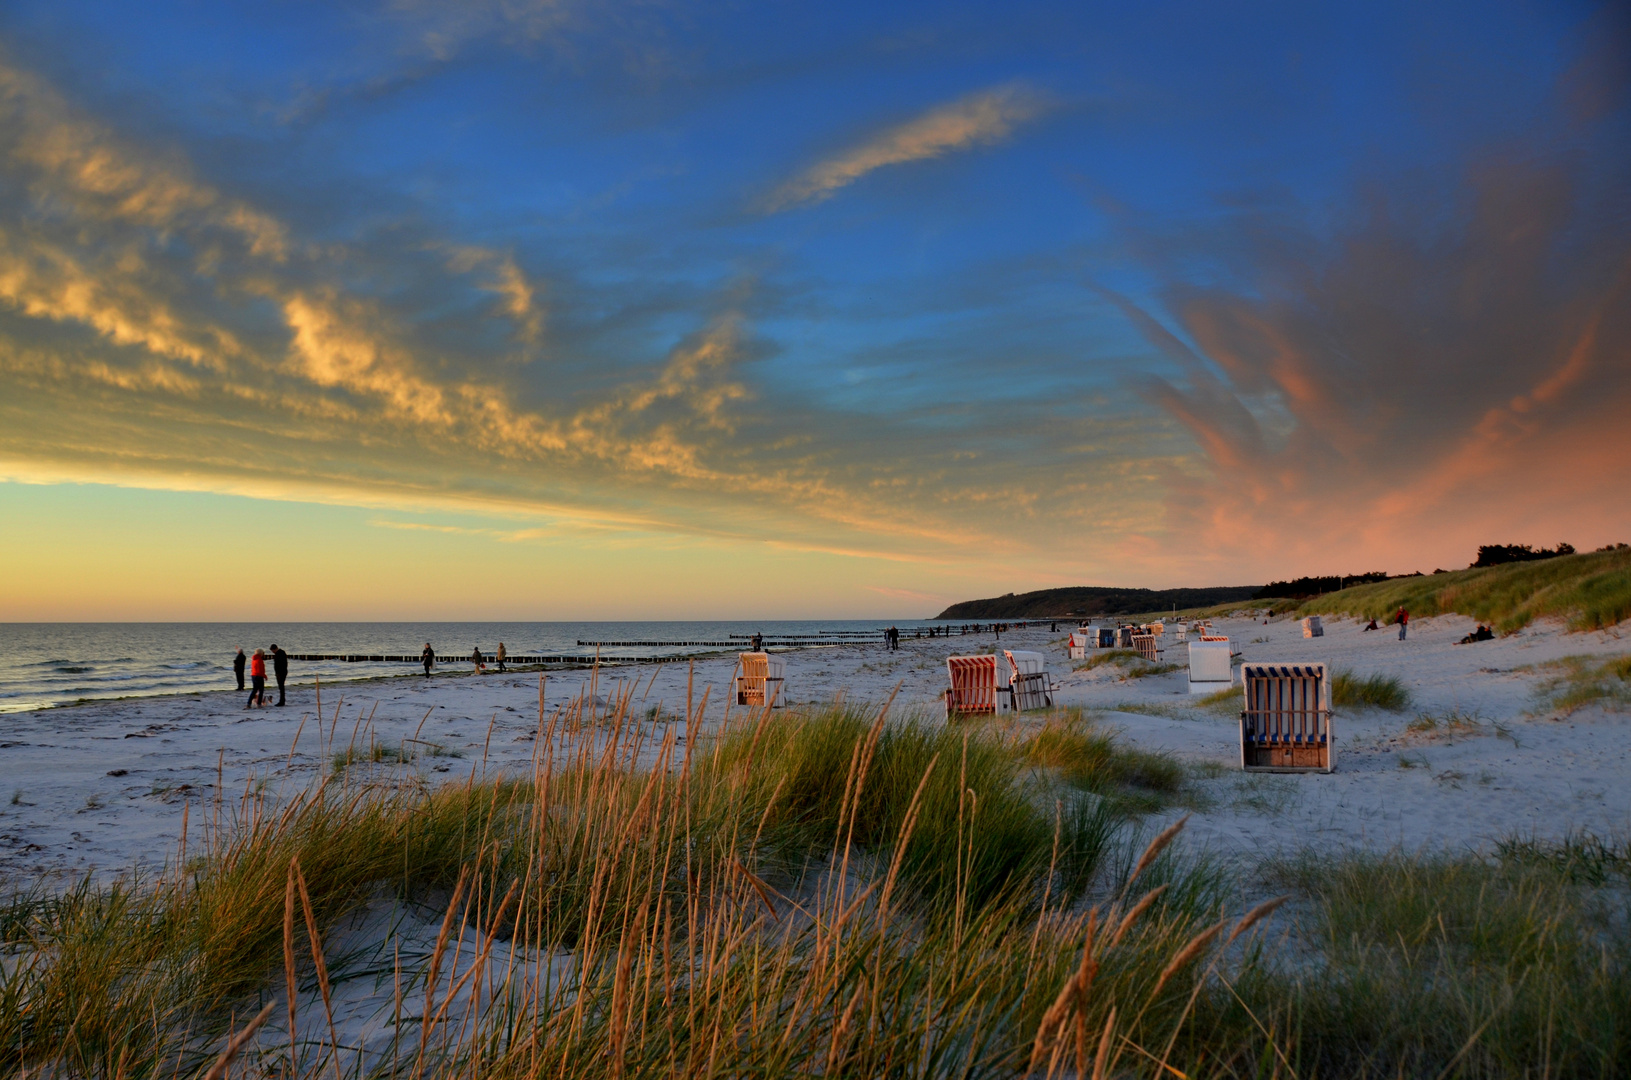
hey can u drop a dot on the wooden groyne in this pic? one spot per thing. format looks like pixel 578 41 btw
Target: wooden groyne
pixel 822 638
pixel 487 658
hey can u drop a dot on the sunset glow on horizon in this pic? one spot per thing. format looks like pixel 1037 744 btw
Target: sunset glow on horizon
pixel 559 311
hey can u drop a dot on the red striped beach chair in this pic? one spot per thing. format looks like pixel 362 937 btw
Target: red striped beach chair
pixel 973 689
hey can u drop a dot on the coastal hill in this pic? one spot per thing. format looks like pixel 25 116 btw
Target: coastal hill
pixel 1087 601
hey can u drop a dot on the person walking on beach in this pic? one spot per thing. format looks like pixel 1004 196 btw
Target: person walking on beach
pixel 501 656
pixel 475 658
pixel 238 663
pixel 758 642
pixel 280 668
pixel 1403 619
pixel 428 657
pixel 257 677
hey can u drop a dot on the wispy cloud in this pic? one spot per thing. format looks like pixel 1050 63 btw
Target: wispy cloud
pixel 978 119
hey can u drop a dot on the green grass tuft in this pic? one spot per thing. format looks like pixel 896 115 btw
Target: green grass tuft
pixel 1580 681
pixel 1349 690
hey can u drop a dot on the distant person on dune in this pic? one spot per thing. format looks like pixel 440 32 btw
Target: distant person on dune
pixel 238 663
pixel 280 668
pixel 428 657
pixel 257 676
pixel 1403 619
pixel 501 656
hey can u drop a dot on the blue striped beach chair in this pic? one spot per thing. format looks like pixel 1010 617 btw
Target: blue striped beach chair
pixel 1286 723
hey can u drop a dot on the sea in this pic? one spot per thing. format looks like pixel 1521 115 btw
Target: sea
pixel 43 665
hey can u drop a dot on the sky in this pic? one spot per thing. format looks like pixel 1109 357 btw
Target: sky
pixel 541 309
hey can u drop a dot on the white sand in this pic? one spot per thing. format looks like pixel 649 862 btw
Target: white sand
pixel 61 811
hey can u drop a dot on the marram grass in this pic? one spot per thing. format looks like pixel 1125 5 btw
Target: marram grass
pixel 1589 592
pixel 816 894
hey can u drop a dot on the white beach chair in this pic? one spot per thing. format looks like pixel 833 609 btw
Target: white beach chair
pixel 1312 627
pixel 1028 679
pixel 1077 649
pixel 1145 644
pixel 1285 725
pixel 759 679
pixel 1210 666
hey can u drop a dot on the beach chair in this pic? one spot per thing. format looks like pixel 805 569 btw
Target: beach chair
pixel 1181 634
pixel 1312 627
pixel 1234 650
pixel 1145 644
pixel 1211 668
pixel 973 689
pixel 1286 723
pixel 1124 637
pixel 1028 680
pixel 1077 649
pixel 760 679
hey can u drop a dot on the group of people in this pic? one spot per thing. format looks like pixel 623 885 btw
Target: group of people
pixel 1483 633
pixel 257 674
pixel 1402 617
pixel 478 660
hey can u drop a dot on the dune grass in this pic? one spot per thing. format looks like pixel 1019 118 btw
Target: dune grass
pixel 1453 965
pixel 1589 592
pixel 1575 682
pixel 1376 691
pixel 823 892
pixel 1088 758
pixel 1108 656
pixel 1133 666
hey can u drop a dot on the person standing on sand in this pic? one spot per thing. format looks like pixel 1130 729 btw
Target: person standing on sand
pixel 257 676
pixel 238 663
pixel 280 668
pixel 501 656
pixel 428 657
pixel 1403 619
pixel 475 658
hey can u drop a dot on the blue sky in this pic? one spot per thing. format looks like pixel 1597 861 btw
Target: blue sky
pixel 917 302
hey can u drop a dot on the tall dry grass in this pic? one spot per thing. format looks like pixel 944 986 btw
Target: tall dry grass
pixel 828 893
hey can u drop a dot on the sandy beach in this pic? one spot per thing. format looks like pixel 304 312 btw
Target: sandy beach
pixel 102 786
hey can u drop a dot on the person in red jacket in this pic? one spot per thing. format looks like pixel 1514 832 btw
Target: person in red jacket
pixel 1403 619
pixel 257 675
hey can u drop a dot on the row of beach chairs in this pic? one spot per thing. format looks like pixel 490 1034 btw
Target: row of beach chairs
pixel 1285 720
